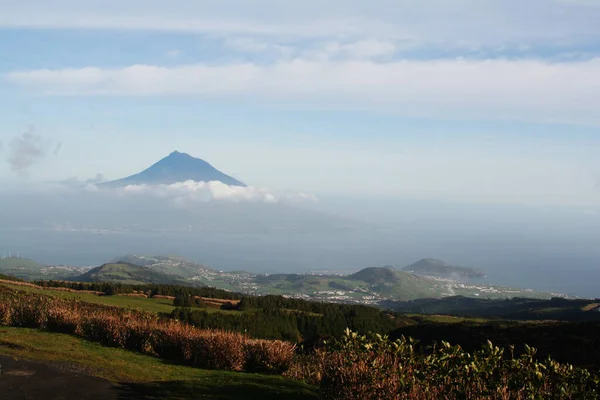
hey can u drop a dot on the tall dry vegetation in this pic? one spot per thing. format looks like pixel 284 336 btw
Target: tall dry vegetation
pixel 353 368
pixel 359 367
pixel 146 333
pixel 60 289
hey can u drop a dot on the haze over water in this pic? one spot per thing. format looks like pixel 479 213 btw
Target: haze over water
pixel 563 260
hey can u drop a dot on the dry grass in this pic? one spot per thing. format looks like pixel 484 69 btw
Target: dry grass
pixel 158 296
pixel 17 283
pixel 220 301
pixel 269 355
pixel 143 295
pixel 146 333
pixel 590 307
pixel 217 303
pixel 59 289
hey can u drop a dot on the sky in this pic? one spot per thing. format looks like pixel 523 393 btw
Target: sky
pixel 470 101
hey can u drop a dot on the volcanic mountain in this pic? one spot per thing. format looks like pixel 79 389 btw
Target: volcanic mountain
pixel 177 167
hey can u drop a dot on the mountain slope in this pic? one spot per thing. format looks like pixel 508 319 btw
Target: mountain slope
pixel 126 273
pixel 377 275
pixel 23 268
pixel 177 167
pixel 368 286
pixel 164 265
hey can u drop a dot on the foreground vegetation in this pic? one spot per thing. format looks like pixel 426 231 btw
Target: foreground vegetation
pixel 576 343
pixel 277 317
pixel 373 367
pixel 141 376
pixel 266 317
pixel 149 290
pixel 353 367
pixel 516 308
pixel 146 333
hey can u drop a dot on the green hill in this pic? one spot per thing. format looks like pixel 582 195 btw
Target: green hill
pixel 126 273
pixel 367 285
pixel 397 284
pixel 21 267
pixel 379 275
pixel 372 286
pixel 517 308
pixel 168 265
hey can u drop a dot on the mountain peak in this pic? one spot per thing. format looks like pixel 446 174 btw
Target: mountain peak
pixel 178 154
pixel 177 167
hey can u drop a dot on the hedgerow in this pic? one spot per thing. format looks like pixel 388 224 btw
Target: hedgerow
pixel 373 367
pixel 146 333
pixel 365 367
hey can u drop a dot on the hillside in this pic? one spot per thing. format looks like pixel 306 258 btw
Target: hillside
pixel 176 167
pixel 89 370
pixel 433 267
pixel 511 309
pixel 103 335
pixel 377 275
pixel 21 267
pixel 374 286
pixel 168 265
pixel 126 273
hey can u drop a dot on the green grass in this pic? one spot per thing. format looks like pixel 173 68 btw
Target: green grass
pixel 19 264
pixel 444 319
pixel 141 374
pixel 590 306
pixel 150 305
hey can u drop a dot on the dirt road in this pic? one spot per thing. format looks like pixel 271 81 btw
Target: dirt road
pixel 26 380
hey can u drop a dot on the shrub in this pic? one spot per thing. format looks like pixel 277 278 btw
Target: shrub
pixel 218 350
pixel 269 356
pixel 361 367
pixel 144 332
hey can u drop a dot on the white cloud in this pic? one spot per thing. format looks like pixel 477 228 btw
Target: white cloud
pixel 248 44
pixel 252 45
pixel 75 181
pixel 189 192
pixel 173 53
pixel 587 3
pixel 523 89
pixel 362 48
pixel 456 23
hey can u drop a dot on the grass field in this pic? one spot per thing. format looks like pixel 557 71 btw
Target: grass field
pixel 151 305
pixel 590 307
pixel 144 374
pixel 444 319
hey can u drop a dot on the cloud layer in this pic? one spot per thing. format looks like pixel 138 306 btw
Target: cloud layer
pixel 528 89
pixel 463 23
pixel 379 54
pixel 190 192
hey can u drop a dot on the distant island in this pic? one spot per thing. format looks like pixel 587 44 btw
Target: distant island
pixel 437 268
pixel 370 286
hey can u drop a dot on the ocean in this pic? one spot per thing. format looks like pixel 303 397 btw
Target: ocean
pixel 555 263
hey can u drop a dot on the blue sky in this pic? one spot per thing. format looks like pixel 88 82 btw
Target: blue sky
pixel 469 101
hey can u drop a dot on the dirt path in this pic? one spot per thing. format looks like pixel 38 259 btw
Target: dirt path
pixel 27 380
